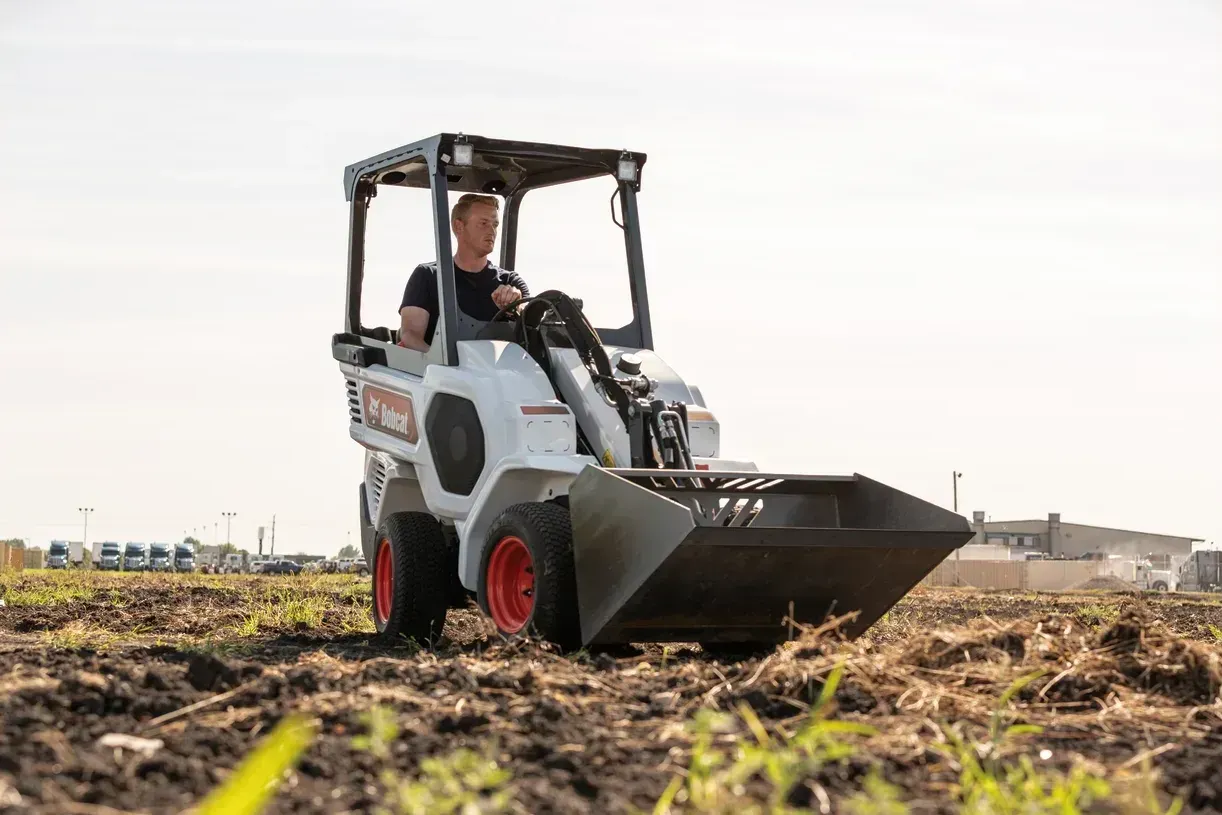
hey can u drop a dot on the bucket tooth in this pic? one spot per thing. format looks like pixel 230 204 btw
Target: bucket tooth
pixel 694 556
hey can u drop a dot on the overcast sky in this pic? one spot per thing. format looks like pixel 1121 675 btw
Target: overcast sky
pixel 882 237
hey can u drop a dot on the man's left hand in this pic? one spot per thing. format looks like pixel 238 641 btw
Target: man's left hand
pixel 504 295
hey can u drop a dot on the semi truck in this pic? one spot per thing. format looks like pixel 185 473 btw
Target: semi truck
pixel 66 554
pixel 57 555
pixel 134 557
pixel 1152 579
pixel 108 558
pixel 159 557
pixel 1202 571
pixel 184 558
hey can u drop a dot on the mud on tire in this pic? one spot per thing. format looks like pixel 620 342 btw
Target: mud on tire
pixel 531 545
pixel 410 577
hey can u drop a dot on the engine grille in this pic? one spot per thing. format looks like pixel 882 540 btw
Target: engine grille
pixel 377 481
pixel 354 401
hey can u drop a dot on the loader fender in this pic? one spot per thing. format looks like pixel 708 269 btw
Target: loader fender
pixel 391 486
pixel 515 480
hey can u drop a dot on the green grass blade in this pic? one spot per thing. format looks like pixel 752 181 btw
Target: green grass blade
pixel 256 779
pixel 828 691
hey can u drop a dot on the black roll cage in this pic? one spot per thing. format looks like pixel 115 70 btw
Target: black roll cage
pixel 509 169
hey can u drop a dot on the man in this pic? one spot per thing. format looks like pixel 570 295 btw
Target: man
pixel 481 288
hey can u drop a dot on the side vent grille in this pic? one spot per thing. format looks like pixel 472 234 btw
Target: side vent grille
pixel 377 481
pixel 354 401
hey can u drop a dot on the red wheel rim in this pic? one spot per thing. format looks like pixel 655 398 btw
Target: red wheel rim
pixel 383 582
pixel 511 584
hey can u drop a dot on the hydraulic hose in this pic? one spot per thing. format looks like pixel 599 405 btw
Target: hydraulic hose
pixel 587 344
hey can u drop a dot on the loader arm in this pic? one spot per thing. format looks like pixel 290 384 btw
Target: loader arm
pixel 664 552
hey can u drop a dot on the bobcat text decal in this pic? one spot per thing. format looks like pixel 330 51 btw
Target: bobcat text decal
pixel 391 413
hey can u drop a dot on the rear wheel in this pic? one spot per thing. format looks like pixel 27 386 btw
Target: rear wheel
pixel 410 578
pixel 1160 586
pixel 527 583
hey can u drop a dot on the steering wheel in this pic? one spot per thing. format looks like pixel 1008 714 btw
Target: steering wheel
pixel 507 314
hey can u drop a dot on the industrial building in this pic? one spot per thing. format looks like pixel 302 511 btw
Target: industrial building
pixel 1053 537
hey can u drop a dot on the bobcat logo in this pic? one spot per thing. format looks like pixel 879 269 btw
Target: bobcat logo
pixel 391 413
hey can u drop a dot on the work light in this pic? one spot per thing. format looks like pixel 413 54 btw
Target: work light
pixel 626 170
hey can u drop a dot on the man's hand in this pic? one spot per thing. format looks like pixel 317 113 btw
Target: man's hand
pixel 504 295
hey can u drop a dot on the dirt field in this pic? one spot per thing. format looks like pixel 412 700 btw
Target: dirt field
pixel 1115 707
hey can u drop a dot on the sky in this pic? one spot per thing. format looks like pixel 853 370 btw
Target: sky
pixel 882 238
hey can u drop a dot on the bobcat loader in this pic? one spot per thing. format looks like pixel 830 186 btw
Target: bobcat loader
pixel 569 479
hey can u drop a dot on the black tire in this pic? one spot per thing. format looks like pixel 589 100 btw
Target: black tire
pixel 547 533
pixel 418 566
pixel 458 596
pixel 1160 586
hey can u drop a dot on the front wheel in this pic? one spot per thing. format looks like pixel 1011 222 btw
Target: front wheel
pixel 410 578
pixel 527 582
pixel 1160 586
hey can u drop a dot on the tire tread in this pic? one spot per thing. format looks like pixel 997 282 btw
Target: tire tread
pixel 547 531
pixel 419 548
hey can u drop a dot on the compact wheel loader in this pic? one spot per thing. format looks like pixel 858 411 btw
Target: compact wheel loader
pixel 570 480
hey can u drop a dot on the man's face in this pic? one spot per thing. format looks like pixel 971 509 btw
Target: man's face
pixel 478 232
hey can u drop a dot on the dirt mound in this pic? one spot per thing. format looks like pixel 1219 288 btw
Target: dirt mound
pixel 1105 582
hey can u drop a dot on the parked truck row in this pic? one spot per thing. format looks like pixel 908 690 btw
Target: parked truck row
pixel 130 557
pixel 181 557
pixel 166 557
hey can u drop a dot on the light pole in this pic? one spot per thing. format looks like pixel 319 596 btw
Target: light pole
pixel 85 536
pixel 228 521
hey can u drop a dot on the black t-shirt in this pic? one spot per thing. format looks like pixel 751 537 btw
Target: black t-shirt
pixel 473 291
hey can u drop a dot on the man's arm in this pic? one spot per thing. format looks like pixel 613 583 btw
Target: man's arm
pixel 419 303
pixel 413 322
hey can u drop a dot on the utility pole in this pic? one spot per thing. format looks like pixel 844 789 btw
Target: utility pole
pixel 85 536
pixel 228 522
pixel 273 535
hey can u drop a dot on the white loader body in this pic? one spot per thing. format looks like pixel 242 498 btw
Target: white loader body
pixel 530 436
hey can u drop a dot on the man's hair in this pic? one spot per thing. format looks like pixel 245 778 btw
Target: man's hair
pixel 463 207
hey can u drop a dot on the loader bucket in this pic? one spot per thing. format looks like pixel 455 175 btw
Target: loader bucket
pixel 716 557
